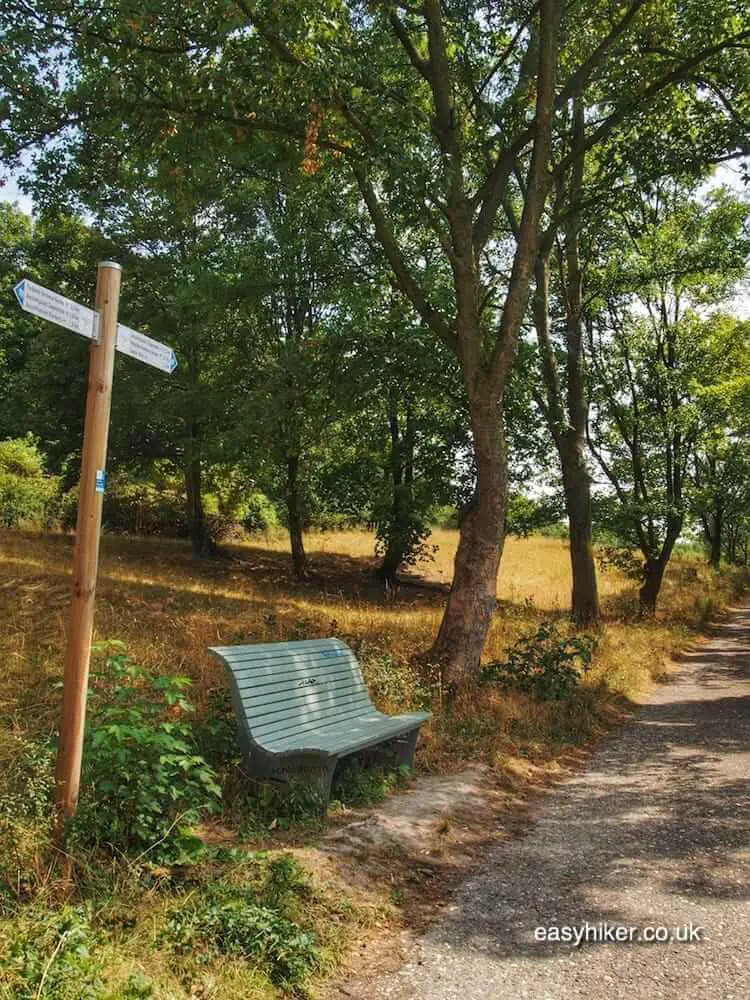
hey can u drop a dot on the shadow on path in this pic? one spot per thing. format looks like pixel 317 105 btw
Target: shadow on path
pixel 655 831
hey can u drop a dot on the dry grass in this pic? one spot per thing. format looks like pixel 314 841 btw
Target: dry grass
pixel 169 609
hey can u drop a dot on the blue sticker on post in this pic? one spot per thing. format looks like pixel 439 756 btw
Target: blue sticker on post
pixel 101 480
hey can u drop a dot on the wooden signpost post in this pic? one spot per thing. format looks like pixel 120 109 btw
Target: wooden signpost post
pixel 101 327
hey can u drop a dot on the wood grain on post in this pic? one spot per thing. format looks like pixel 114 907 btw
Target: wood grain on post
pixel 86 552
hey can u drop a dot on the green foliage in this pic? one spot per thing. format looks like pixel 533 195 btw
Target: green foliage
pixel 144 784
pixel 406 534
pixel 51 954
pixel 259 807
pixel 259 513
pixel 153 503
pixel 665 376
pixel 445 516
pixel 393 685
pixel 366 786
pixel 138 504
pixel 544 663
pixel 72 974
pixel 523 516
pixel 26 492
pixel 628 561
pixel 256 922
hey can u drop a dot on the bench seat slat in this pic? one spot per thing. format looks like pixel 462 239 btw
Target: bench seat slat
pixel 266 674
pixel 297 736
pixel 302 705
pixel 296 665
pixel 233 653
pixel 293 661
pixel 301 722
pixel 352 733
pixel 267 689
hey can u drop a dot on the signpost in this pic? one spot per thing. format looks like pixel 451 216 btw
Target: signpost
pixel 139 346
pixel 101 327
pixel 49 305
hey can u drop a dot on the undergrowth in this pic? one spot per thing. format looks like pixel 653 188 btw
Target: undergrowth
pixel 147 908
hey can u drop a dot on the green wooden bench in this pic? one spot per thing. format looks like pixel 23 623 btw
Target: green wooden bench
pixel 303 706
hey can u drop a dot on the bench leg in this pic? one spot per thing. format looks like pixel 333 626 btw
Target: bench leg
pixel 324 782
pixel 405 749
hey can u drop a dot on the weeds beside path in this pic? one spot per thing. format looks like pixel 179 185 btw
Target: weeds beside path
pixel 654 832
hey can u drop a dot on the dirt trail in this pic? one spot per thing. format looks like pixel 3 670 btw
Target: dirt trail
pixel 654 832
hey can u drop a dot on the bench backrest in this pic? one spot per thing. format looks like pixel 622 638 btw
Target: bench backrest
pixel 281 689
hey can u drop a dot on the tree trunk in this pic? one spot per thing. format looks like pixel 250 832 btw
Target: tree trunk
pixel 473 593
pixel 569 434
pixel 294 518
pixel 649 592
pixel 716 533
pixel 577 486
pixel 402 476
pixel 394 553
pixel 200 540
pixel 653 571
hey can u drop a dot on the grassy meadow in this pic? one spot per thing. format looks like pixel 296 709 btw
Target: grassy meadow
pixel 124 929
pixel 169 608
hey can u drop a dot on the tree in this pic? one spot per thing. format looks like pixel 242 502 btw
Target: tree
pixel 441 115
pixel 651 359
pixel 720 470
pixel 44 369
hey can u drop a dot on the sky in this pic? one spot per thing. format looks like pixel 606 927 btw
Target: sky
pixel 10 192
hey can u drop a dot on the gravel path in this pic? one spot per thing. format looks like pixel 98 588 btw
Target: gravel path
pixel 654 832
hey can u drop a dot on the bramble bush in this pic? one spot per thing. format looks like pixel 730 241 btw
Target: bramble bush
pixel 544 663
pixel 145 786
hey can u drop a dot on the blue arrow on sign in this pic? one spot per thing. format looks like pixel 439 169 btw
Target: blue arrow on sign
pixel 20 291
pixel 172 362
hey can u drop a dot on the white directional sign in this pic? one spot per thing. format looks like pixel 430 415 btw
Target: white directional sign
pixel 49 305
pixel 144 348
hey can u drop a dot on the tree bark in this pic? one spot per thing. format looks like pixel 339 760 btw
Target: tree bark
pixel 485 357
pixel 577 487
pixel 715 536
pixel 472 598
pixel 569 434
pixel 649 592
pixel 201 542
pixel 294 518
pixel 402 476
pixel 653 573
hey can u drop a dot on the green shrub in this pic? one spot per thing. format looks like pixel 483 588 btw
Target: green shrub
pixel 144 784
pixel 392 684
pixel 26 492
pixel 260 514
pixel 445 516
pixel 71 975
pixel 366 786
pixel 627 560
pixel 51 954
pixel 544 663
pixel 152 505
pixel 258 807
pixel 259 922
pixel 524 516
